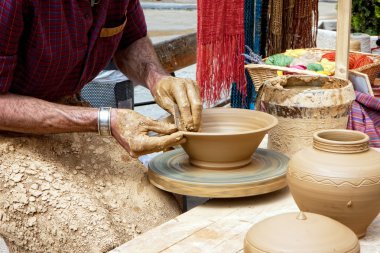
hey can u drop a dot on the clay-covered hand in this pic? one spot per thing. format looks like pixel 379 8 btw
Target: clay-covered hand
pixel 131 129
pixel 185 93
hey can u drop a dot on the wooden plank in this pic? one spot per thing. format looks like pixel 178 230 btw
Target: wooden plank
pixel 343 38
pixel 163 237
pixel 177 53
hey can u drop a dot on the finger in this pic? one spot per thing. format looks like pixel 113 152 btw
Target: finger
pixel 165 100
pixel 158 143
pixel 161 127
pixel 180 95
pixel 172 108
pixel 193 95
pixel 145 152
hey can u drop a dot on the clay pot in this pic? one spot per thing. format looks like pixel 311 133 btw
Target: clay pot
pixel 299 233
pixel 338 177
pixel 355 45
pixel 227 138
pixel 304 105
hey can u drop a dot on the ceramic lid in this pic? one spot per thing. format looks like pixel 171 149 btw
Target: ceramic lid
pixel 300 232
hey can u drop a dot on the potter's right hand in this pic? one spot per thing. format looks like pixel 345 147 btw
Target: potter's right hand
pixel 131 129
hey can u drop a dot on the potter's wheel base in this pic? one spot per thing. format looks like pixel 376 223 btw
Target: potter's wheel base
pixel 172 172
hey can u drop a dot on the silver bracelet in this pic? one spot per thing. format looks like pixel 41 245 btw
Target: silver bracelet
pixel 104 121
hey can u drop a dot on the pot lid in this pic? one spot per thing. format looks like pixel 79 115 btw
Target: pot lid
pixel 300 232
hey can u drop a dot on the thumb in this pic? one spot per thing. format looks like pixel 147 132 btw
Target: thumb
pixel 161 127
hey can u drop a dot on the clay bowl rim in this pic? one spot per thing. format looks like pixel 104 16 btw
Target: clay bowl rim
pixel 304 76
pixel 267 128
pixel 316 136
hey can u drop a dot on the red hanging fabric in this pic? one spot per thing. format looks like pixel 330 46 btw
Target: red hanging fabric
pixel 220 38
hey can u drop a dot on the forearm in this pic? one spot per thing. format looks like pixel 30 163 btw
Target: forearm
pixel 30 115
pixel 140 63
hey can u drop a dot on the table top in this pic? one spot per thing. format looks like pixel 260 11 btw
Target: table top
pixel 220 225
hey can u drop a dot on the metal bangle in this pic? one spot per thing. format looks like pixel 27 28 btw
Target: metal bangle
pixel 104 121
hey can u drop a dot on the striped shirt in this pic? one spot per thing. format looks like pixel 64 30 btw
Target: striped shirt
pixel 52 48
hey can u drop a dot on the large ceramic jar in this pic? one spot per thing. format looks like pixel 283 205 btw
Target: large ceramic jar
pixel 338 177
pixel 304 105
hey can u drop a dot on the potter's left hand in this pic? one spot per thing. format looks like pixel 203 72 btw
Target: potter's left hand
pixel 185 93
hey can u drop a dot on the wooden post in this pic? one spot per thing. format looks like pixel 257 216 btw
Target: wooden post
pixel 343 38
pixel 177 53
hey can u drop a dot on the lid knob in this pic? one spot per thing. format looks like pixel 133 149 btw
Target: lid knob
pixel 301 216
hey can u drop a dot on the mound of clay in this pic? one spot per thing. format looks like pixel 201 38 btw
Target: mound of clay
pixel 74 193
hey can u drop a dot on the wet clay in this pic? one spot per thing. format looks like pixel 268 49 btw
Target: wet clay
pixel 303 105
pixel 185 93
pixel 131 130
pixel 74 193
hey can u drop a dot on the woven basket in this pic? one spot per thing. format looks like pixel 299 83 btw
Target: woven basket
pixel 262 72
pixel 371 70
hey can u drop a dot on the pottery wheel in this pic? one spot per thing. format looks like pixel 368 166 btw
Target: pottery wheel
pixel 172 172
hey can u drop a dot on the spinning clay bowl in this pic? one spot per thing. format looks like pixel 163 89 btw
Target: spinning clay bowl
pixel 227 137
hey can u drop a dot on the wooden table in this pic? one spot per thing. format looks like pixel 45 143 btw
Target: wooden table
pixel 221 224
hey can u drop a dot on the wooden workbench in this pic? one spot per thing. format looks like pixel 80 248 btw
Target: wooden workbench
pixel 221 224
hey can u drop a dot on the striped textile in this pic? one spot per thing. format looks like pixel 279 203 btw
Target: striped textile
pixel 220 48
pixel 253 38
pixel 365 117
pixel 237 100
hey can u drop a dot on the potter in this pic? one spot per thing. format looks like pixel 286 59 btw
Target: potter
pixel 49 50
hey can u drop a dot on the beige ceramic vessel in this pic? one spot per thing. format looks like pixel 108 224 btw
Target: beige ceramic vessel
pixel 227 137
pixel 300 233
pixel 338 177
pixel 304 105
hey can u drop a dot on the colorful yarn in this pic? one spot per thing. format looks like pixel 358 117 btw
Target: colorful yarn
pixel 306 59
pixel 301 67
pixel 329 56
pixel 325 73
pixel 279 60
pixel 328 66
pixel 315 67
pixel 295 53
pixel 355 60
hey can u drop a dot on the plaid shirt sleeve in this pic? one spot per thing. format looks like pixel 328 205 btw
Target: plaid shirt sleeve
pixel 136 25
pixel 11 27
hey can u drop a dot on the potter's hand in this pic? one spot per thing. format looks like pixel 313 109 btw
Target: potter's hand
pixel 183 92
pixel 130 129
